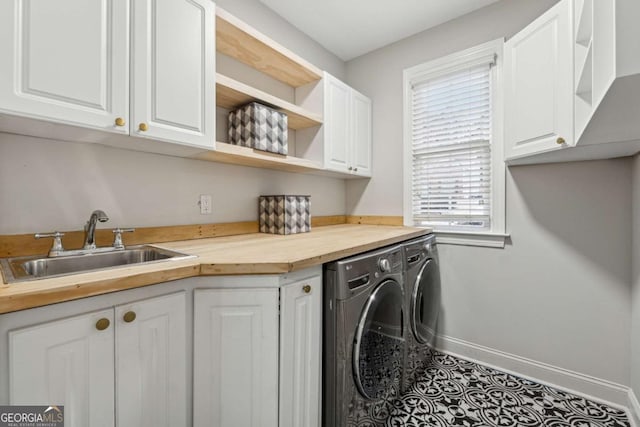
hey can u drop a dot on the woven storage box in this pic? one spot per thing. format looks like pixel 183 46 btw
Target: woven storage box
pixel 258 126
pixel 284 214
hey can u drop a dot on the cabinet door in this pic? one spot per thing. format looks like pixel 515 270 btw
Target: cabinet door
pixel 538 71
pixel 151 362
pixel 361 134
pixel 300 353
pixel 337 134
pixel 173 63
pixel 67 362
pixel 235 357
pixel 65 61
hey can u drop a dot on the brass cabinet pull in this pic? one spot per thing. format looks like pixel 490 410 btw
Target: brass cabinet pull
pixel 355 169
pixel 350 168
pixel 129 316
pixel 120 121
pixel 306 289
pixel 102 324
pixel 560 140
pixel 143 127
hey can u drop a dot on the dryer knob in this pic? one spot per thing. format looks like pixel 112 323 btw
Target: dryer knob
pixel 384 265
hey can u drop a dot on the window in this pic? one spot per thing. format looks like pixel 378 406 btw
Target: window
pixel 454 169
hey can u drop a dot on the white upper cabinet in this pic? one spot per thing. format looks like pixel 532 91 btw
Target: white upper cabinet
pixel 572 84
pixel 347 134
pixel 66 60
pixel 69 62
pixel 337 118
pixel 538 72
pixel 361 129
pixel 173 71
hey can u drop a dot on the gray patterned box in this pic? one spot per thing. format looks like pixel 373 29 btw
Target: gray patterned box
pixel 258 126
pixel 284 214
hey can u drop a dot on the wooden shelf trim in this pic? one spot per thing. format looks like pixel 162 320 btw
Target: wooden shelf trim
pixel 245 156
pixel 232 94
pixel 242 42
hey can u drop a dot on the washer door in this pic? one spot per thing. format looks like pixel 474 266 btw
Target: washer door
pixel 425 303
pixel 379 342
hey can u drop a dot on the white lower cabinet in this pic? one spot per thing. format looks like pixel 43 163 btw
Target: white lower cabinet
pixel 151 362
pixel 125 362
pixel 255 343
pixel 300 352
pixel 66 362
pixel 255 366
pixel 235 357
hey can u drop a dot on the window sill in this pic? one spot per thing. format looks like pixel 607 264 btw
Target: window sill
pixel 471 238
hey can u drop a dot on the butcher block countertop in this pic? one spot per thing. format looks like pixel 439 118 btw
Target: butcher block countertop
pixel 232 255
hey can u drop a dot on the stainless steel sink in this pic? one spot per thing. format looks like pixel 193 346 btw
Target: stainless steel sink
pixel 39 267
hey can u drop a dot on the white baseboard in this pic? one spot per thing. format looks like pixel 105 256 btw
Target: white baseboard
pixel 596 389
pixel 634 409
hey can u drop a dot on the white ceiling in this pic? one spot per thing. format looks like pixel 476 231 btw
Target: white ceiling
pixel 350 28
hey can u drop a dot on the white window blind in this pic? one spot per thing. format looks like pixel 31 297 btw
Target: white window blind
pixel 451 149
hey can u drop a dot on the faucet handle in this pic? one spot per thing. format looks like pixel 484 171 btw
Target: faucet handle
pixel 56 248
pixel 117 236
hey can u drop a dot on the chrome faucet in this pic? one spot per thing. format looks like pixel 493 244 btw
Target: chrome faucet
pixel 90 228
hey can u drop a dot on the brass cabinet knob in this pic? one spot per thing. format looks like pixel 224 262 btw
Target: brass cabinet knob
pixel 120 121
pixel 143 127
pixel 102 324
pixel 560 140
pixel 129 316
pixel 306 289
pixel 350 168
pixel 355 169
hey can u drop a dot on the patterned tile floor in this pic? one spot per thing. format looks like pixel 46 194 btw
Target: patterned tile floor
pixel 456 392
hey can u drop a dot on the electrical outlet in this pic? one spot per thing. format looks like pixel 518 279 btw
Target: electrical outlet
pixel 205 204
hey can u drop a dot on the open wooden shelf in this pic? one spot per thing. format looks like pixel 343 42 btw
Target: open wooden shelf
pixel 242 42
pixel 232 94
pixel 244 156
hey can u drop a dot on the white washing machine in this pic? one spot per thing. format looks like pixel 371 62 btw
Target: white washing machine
pixel 422 304
pixel 364 338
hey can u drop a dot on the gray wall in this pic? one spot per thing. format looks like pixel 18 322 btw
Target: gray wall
pixel 559 292
pixel 47 185
pixel 635 295
pixel 52 185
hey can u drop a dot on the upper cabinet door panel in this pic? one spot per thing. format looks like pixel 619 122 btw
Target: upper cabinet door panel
pixel 174 71
pixel 539 84
pixel 337 119
pixel 65 60
pixel 361 128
